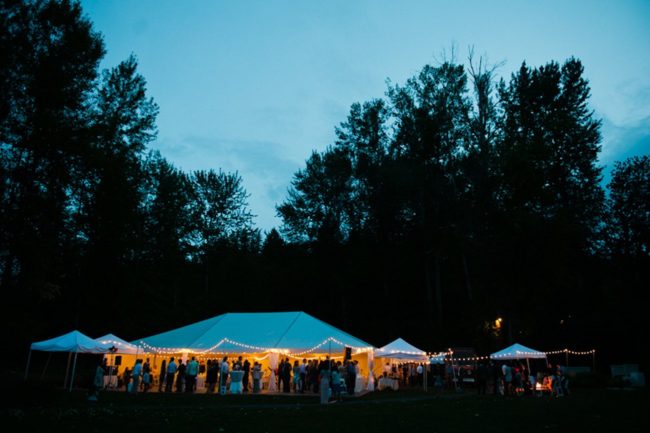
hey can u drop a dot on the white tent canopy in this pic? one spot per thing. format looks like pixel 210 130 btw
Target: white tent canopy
pixel 402 350
pixel 517 351
pixel 294 332
pixel 74 341
pixel 119 345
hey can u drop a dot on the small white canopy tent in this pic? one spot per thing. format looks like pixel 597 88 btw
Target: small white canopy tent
pixel 294 334
pixel 517 351
pixel 401 350
pixel 72 342
pixel 118 345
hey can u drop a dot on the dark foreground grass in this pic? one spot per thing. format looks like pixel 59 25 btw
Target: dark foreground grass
pixel 593 410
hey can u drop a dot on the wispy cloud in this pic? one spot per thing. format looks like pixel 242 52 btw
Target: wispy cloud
pixel 265 172
pixel 621 142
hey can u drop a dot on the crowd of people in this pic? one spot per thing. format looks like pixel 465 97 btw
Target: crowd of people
pixel 507 378
pixel 328 377
pixel 239 376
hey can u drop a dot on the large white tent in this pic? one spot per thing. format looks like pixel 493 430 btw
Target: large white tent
pixel 290 332
pixel 401 350
pixel 264 336
pixel 517 351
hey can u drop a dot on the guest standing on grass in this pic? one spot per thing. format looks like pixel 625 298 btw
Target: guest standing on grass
pixel 286 376
pixel 126 378
pixel 302 372
pixel 211 375
pixel 481 378
pixel 324 369
pixel 171 372
pixel 192 372
pixel 257 377
pixel 161 377
pixel 97 383
pixel 146 381
pixel 246 368
pixel 180 376
pixel 137 372
pixel 296 376
pixel 225 369
pixel 351 377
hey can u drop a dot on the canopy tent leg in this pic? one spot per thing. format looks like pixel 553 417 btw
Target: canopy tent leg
pixel 110 370
pixel 67 370
pixel 47 364
pixel 424 379
pixel 74 366
pixel 593 359
pixel 453 372
pixel 29 358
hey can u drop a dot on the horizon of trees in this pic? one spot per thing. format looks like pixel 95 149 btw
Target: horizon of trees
pixel 451 201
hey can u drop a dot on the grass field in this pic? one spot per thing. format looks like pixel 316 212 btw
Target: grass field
pixel 46 409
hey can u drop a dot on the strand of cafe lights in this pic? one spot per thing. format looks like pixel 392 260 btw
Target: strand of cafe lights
pixel 173 350
pixel 486 357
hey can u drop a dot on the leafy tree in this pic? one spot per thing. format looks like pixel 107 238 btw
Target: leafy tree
pixel 317 206
pixel 549 191
pixel 49 58
pixel 219 205
pixel 629 207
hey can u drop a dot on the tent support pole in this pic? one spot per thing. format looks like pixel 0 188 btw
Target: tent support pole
pixel 424 380
pixel 453 372
pixel 29 358
pixel 566 356
pixel 74 366
pixel 67 370
pixel 47 364
pixel 593 358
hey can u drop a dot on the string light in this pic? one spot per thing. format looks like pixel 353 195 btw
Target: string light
pixel 116 343
pixel 407 352
pixel 448 355
pixel 256 349
pixel 572 352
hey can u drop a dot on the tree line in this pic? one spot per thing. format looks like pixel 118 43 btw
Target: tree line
pixel 453 200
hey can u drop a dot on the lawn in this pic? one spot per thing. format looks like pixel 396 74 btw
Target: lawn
pixel 594 410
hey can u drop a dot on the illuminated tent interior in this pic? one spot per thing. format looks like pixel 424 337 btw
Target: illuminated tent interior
pixel 261 337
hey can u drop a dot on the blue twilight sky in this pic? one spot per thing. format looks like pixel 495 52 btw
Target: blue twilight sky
pixel 255 86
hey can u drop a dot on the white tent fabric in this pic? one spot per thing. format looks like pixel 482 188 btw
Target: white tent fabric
pixel 439 358
pixel 295 332
pixel 402 350
pixel 517 351
pixel 74 341
pixel 120 345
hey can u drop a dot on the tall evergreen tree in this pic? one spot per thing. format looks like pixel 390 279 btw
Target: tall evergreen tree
pixel 49 56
